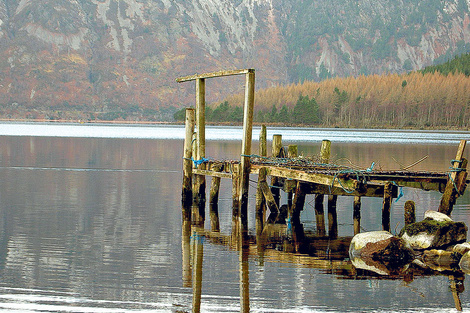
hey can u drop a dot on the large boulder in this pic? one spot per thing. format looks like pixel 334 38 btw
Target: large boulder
pixel 437 230
pixel 379 251
pixel 465 263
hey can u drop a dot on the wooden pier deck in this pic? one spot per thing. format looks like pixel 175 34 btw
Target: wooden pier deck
pixel 297 176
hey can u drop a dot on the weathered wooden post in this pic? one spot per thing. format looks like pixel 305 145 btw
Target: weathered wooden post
pixel 187 193
pixel 214 198
pixel 325 151
pixel 387 203
pixel 357 215
pixel 332 216
pixel 246 145
pixel 235 199
pixel 260 202
pixel 456 183
pixel 410 212
pixel 320 214
pixel 200 191
pixel 275 181
pixel 292 152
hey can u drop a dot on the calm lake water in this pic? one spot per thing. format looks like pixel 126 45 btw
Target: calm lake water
pixel 90 221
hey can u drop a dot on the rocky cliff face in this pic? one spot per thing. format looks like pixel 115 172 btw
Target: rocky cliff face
pixel 69 56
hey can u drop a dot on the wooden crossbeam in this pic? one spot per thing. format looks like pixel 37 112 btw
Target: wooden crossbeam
pixel 421 182
pixel 214 74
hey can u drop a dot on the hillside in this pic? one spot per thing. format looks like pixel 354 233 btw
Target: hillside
pixel 109 59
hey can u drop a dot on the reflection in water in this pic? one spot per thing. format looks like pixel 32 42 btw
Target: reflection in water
pixel 329 255
pixel 93 225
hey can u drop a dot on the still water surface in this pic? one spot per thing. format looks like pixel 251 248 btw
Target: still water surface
pixel 90 221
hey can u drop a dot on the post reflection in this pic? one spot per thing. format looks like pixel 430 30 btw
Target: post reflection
pixel 328 256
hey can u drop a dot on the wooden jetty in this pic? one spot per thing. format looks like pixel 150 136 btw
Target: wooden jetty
pixel 297 176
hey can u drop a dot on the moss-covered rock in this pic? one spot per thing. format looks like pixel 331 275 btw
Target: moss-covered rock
pixel 431 233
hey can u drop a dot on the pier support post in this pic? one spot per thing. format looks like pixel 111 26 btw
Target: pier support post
pixel 410 212
pixel 214 199
pixel 199 191
pixel 325 152
pixel 187 192
pixel 260 201
pixel 292 152
pixel 246 145
pixel 275 181
pixel 457 181
pixel 332 217
pixel 387 203
pixel 357 215
pixel 320 214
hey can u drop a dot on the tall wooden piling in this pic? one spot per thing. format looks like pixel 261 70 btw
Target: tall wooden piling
pixel 260 201
pixel 387 204
pixel 187 193
pixel 246 144
pixel 199 192
pixel 357 215
pixel 275 181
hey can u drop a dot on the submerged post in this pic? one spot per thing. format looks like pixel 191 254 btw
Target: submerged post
pixel 357 215
pixel 387 203
pixel 187 193
pixel 246 145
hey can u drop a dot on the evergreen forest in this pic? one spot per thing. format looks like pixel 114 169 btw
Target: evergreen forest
pixel 435 97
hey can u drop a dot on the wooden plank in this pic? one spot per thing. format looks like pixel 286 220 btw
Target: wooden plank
pixel 212 173
pixel 214 74
pixel 450 194
pixel 369 190
pixel 271 203
pixel 436 183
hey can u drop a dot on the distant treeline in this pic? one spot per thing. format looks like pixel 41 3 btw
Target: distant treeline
pixel 436 97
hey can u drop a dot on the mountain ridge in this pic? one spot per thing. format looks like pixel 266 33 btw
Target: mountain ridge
pixel 88 59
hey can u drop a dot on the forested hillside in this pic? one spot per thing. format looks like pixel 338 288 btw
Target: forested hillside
pixel 436 97
pixel 118 59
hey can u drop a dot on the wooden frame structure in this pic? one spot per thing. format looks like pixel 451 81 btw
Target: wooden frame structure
pixel 296 181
